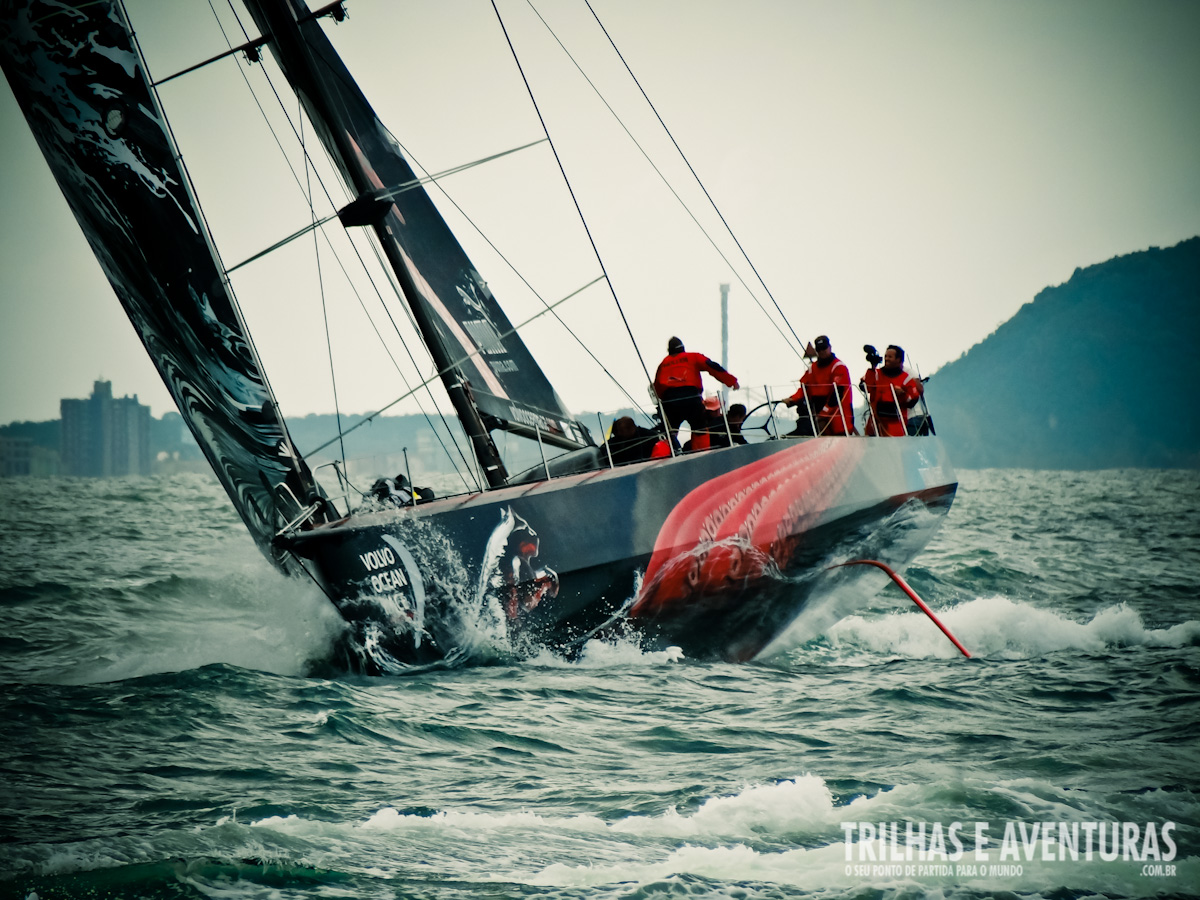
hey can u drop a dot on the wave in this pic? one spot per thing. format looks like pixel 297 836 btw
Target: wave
pixel 803 805
pixel 801 808
pixel 825 869
pixel 610 653
pixel 998 627
pixel 245 615
pixel 796 832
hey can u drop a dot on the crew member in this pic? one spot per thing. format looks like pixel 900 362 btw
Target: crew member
pixel 678 384
pixel 398 492
pixel 630 442
pixel 892 392
pixel 866 384
pixel 392 491
pixel 734 417
pixel 825 393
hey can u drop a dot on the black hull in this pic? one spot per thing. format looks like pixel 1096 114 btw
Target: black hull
pixel 717 553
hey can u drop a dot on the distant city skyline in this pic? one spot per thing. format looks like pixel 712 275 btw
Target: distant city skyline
pixel 909 174
pixel 104 435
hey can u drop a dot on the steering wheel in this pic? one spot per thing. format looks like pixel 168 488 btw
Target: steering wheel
pixel 765 427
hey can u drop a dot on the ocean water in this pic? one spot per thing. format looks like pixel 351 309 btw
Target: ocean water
pixel 164 731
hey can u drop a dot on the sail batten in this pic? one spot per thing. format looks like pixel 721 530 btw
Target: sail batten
pixel 82 86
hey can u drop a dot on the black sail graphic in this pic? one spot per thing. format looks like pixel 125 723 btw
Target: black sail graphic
pixel 81 84
pixel 460 320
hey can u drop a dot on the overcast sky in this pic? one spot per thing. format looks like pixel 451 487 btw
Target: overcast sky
pixel 908 172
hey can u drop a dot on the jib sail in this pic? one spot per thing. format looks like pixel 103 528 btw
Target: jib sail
pixel 82 86
pixel 460 320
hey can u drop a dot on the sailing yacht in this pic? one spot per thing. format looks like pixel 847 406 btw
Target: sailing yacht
pixel 719 552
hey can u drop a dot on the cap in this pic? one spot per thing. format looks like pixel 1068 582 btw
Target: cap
pixel 674 345
pixel 821 343
pixel 713 403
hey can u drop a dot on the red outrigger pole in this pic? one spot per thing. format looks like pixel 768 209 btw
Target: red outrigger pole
pixel 911 593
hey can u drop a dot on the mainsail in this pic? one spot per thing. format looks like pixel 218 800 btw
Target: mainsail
pixel 82 86
pixel 467 332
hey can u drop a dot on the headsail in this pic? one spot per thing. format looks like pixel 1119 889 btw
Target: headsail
pixel 82 86
pixel 460 320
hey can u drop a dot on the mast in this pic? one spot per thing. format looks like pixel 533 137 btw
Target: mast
pixel 281 22
pixel 489 374
pixel 725 337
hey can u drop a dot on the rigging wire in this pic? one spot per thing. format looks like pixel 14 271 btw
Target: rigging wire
pixel 434 179
pixel 362 262
pixel 571 190
pixel 386 269
pixel 473 353
pixel 374 246
pixel 667 131
pixel 208 239
pixel 390 194
pixel 337 407
pixel 396 365
pixel 669 186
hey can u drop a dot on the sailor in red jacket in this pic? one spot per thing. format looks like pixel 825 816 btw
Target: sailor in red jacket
pixel 892 392
pixel 824 393
pixel 678 384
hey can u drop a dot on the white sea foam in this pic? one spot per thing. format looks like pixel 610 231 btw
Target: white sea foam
pixel 803 805
pixel 718 839
pixel 800 805
pixel 826 868
pixel 729 838
pixel 1004 628
pixel 623 652
pixel 250 616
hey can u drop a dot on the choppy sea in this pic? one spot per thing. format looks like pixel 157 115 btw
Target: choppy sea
pixel 163 734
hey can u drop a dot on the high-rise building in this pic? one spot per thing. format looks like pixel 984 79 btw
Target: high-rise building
pixel 102 436
pixel 16 457
pixel 130 437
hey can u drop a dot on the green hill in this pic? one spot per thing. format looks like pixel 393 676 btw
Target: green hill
pixel 1094 373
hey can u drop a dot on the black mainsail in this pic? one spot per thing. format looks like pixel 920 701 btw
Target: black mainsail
pixel 488 371
pixel 82 85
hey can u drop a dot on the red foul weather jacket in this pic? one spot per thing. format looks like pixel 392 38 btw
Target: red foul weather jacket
pixel 682 370
pixel 891 396
pixel 820 381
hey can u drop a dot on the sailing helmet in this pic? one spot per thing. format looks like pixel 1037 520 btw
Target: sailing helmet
pixel 674 345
